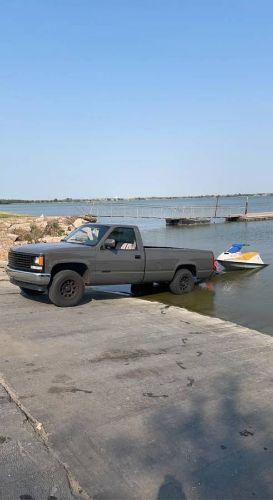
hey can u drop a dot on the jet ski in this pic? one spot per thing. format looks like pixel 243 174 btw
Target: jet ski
pixel 234 258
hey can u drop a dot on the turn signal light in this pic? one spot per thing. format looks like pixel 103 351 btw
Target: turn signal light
pixel 39 261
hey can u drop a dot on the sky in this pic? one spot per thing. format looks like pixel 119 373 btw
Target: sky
pixel 135 98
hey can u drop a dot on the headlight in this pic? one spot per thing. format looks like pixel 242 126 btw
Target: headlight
pixel 38 262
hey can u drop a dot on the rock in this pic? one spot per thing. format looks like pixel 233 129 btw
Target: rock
pixel 41 223
pixel 19 243
pixel 13 237
pixel 20 226
pixel 4 252
pixel 79 222
pixel 63 227
pixel 90 218
pixel 16 231
pixel 68 221
pixel 5 225
pixel 51 239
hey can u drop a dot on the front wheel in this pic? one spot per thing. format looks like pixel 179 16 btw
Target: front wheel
pixel 66 289
pixel 183 282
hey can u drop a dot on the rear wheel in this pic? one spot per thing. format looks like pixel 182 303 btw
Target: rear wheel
pixel 31 292
pixel 183 282
pixel 66 289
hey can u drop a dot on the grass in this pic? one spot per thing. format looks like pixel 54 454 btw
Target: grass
pixel 10 215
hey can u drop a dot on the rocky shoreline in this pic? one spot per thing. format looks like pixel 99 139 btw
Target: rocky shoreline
pixel 20 230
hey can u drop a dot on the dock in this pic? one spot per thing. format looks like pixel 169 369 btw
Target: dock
pixel 230 218
pixel 187 221
pixel 250 217
pixel 180 215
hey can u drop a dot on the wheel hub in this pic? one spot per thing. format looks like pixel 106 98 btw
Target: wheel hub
pixel 184 283
pixel 68 289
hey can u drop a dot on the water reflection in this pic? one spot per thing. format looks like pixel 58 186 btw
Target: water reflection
pixel 201 299
pixel 228 295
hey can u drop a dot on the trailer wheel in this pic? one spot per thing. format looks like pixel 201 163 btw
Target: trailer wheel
pixel 183 282
pixel 66 289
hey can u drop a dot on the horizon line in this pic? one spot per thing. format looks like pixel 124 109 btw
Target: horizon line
pixel 4 201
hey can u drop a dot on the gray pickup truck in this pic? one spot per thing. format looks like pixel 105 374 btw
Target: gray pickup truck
pixel 100 254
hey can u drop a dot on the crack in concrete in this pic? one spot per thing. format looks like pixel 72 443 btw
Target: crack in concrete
pixel 76 490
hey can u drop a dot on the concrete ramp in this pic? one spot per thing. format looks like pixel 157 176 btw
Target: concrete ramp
pixel 141 400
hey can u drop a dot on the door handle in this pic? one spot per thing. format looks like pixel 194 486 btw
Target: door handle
pixel 137 256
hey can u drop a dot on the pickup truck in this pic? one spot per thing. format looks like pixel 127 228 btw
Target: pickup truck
pixel 101 254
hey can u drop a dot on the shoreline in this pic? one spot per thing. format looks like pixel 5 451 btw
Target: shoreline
pixel 166 307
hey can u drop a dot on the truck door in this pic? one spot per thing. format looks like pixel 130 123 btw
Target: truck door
pixel 122 264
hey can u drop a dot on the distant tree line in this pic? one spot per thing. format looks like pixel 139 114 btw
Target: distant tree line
pixel 10 201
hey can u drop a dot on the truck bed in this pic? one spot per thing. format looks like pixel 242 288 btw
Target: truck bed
pixel 162 262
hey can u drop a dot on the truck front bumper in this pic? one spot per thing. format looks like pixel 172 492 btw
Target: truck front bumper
pixel 37 281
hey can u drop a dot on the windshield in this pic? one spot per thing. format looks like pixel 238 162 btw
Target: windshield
pixel 87 235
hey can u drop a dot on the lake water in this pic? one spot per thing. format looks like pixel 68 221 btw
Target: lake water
pixel 244 297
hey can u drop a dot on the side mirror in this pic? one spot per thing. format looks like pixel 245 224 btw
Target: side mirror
pixel 109 243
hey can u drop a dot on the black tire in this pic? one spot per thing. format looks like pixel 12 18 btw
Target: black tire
pixel 30 292
pixel 183 282
pixel 66 289
pixel 140 289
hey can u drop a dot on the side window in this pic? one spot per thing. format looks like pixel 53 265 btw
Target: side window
pixel 124 237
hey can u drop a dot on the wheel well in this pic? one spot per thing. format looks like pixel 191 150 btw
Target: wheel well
pixel 73 266
pixel 190 267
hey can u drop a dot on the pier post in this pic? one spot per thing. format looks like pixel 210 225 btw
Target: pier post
pixel 216 206
pixel 246 207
